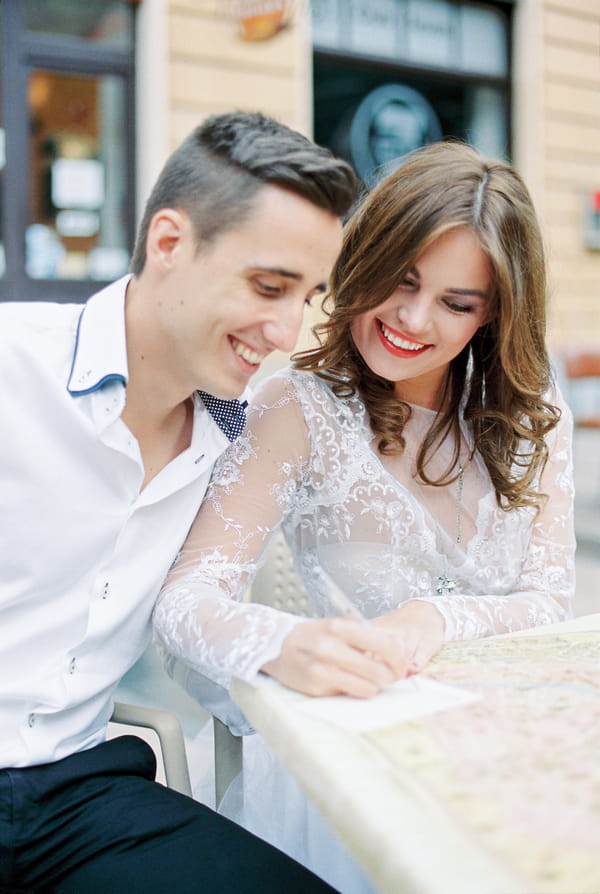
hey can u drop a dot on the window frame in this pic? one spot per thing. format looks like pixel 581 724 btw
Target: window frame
pixel 24 52
pixel 402 68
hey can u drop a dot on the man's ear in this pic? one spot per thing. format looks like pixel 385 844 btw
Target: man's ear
pixel 168 227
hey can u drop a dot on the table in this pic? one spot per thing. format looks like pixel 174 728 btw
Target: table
pixel 397 798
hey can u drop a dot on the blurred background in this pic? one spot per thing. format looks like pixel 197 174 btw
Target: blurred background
pixel 95 94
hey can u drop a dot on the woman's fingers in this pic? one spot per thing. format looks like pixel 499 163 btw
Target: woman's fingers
pixel 334 655
pixel 420 628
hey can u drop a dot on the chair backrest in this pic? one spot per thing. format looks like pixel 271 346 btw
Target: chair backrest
pixel 278 583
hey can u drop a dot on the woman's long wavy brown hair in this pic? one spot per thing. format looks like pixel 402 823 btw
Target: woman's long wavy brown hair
pixel 502 376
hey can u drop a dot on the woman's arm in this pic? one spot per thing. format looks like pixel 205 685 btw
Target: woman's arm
pixel 546 584
pixel 200 616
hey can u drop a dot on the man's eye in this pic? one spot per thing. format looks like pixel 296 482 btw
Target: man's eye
pixel 271 290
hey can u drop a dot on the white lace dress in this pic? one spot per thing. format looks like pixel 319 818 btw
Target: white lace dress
pixel 307 462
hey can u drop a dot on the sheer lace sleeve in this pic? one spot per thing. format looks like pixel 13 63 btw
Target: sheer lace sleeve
pixel 546 583
pixel 201 616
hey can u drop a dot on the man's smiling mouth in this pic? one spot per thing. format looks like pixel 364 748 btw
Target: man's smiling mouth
pixel 245 352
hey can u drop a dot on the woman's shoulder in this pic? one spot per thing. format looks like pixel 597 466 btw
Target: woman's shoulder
pixel 307 395
pixel 287 400
pixel 292 385
pixel 279 389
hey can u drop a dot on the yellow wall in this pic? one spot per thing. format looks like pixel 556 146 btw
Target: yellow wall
pixel 211 69
pixel 557 141
pixel 556 126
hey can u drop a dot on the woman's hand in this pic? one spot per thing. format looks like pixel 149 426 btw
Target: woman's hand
pixel 420 627
pixel 335 656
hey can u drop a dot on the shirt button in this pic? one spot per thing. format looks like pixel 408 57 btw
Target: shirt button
pixel 72 664
pixel 31 720
pixel 106 590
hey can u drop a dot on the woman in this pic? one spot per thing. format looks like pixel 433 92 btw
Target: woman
pixel 418 460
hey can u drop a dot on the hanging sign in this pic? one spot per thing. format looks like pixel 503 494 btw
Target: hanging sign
pixel 261 19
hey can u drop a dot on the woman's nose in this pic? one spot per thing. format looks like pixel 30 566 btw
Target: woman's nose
pixel 414 314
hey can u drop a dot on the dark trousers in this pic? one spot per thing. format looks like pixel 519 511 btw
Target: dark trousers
pixel 97 822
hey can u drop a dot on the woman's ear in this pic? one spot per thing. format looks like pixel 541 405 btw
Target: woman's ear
pixel 166 231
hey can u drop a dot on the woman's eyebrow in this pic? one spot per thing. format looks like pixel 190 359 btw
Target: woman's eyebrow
pixel 476 293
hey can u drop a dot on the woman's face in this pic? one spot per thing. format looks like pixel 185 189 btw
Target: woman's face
pixel 411 338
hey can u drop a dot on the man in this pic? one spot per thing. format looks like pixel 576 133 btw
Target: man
pixel 113 417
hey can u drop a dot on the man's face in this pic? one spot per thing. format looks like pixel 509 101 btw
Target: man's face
pixel 226 306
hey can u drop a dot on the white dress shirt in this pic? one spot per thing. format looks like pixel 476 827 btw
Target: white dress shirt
pixel 82 552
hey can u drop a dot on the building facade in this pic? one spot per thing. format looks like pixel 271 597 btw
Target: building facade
pixel 370 78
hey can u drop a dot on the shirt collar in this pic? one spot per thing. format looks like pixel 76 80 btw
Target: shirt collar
pixel 100 357
pixel 100 351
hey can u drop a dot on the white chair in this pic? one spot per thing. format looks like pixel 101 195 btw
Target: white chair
pixel 172 746
pixel 277 584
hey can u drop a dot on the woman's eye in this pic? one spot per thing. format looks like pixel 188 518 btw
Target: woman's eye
pixel 458 308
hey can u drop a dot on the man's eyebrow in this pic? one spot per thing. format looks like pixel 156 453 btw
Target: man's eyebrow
pixel 281 271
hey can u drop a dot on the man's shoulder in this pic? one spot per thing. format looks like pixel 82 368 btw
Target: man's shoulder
pixel 33 318
pixel 38 314
pixel 38 335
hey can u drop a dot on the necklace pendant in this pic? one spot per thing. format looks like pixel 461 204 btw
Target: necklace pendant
pixel 445 584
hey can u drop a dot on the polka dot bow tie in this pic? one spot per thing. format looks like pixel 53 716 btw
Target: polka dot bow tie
pixel 229 415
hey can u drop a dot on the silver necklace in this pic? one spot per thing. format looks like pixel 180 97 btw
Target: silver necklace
pixel 446 584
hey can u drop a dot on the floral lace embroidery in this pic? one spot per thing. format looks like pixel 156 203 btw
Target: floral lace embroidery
pixel 306 463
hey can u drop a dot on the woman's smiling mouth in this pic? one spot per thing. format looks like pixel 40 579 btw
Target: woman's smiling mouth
pixel 399 344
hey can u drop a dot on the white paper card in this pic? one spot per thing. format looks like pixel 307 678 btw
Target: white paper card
pixel 405 700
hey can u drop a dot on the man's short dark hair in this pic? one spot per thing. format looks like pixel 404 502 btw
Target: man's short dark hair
pixel 218 169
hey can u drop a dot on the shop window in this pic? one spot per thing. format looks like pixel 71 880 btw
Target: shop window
pixel 392 75
pixel 67 213
pixel 94 21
